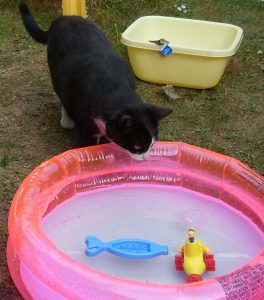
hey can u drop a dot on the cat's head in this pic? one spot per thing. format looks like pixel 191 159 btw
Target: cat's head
pixel 135 128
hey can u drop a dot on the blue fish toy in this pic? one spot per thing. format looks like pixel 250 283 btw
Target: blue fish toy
pixel 128 248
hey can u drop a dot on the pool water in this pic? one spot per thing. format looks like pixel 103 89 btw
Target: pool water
pixel 161 214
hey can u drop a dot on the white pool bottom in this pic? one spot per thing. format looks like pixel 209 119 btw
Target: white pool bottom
pixel 155 213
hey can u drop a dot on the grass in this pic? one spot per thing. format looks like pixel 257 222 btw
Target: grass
pixel 228 118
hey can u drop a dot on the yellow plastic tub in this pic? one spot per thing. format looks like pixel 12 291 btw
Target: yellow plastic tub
pixel 200 50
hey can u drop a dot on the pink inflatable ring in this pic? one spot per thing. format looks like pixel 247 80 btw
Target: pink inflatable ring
pixel 41 270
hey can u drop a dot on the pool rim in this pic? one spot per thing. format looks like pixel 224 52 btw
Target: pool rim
pixel 174 151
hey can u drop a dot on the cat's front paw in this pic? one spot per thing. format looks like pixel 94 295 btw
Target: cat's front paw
pixel 67 123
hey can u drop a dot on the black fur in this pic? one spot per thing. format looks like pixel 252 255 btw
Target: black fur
pixel 94 82
pixel 31 26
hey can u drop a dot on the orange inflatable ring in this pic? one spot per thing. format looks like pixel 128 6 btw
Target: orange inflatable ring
pixel 35 262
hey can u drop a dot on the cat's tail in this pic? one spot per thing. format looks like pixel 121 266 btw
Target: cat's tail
pixel 31 26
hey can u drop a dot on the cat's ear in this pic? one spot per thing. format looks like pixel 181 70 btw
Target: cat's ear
pixel 126 123
pixel 159 112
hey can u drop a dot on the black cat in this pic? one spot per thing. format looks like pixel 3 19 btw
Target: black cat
pixel 95 85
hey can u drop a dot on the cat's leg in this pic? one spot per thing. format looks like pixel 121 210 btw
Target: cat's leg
pixel 89 134
pixel 100 139
pixel 66 121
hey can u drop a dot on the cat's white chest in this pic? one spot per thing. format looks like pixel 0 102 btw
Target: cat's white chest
pixel 101 125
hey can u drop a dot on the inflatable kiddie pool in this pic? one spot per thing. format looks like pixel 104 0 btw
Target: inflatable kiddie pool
pixel 101 191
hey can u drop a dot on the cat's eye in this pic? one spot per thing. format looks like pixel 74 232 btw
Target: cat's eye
pixel 137 147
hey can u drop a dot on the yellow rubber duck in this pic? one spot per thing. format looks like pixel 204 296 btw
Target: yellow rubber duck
pixel 194 258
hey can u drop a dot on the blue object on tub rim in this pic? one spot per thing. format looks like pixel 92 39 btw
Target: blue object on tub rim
pixel 166 50
pixel 127 248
